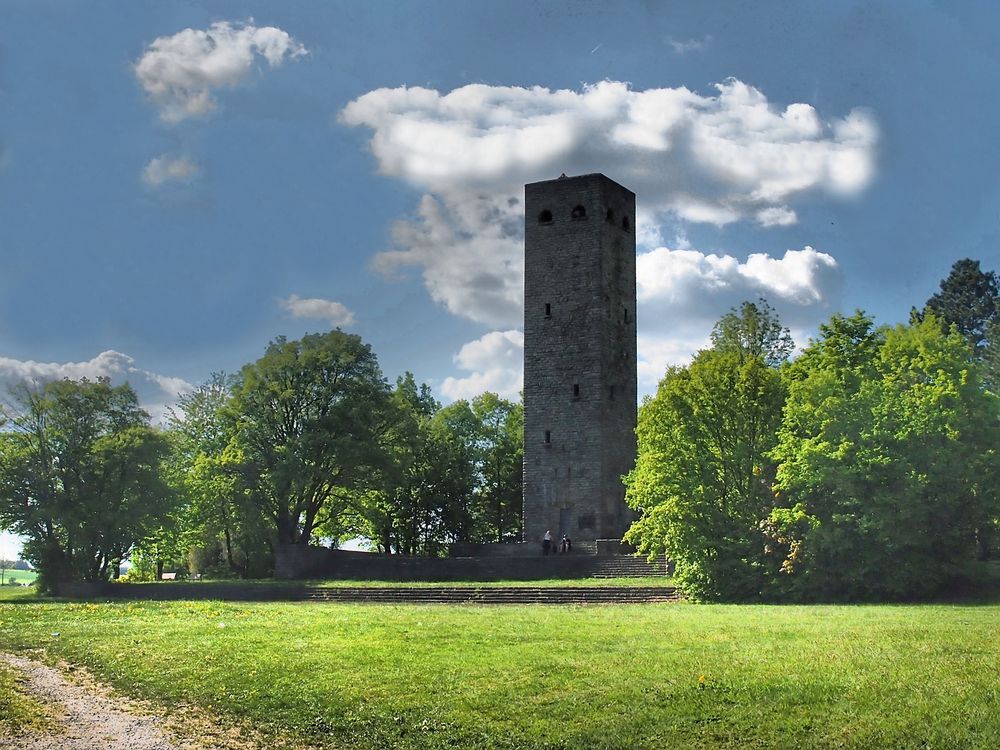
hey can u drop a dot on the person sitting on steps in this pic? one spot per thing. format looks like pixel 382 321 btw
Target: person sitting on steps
pixel 547 542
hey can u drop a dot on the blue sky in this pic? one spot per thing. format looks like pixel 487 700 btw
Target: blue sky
pixel 180 182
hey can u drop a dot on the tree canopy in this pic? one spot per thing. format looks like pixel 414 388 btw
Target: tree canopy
pixel 867 468
pixel 703 474
pixel 80 477
pixel 309 416
pixel 969 299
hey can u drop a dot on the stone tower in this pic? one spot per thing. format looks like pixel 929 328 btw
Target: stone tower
pixel 579 356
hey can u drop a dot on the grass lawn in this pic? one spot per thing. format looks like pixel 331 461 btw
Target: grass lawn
pixel 635 676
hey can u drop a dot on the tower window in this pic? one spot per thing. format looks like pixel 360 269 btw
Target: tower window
pixel 548 438
pixel 548 310
pixel 611 393
pixel 576 391
pixel 579 213
pixel 626 315
pixel 545 217
pixel 610 216
pixel 625 224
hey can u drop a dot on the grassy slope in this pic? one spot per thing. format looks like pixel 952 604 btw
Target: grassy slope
pixel 579 677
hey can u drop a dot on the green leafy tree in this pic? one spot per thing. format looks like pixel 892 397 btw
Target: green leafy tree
pixel 969 299
pixel 888 466
pixel 219 527
pixel 456 428
pixel 80 477
pixel 702 480
pixel 753 330
pixel 309 416
pixel 400 510
pixel 500 458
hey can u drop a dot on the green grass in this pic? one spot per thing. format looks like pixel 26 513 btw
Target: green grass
pixel 371 676
pixel 18 711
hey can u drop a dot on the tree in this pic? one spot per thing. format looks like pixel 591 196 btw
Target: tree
pixel 499 458
pixel 5 565
pixel 456 428
pixel 308 420
pixel 219 527
pixel 753 330
pixel 888 465
pixel 703 473
pixel 401 509
pixel 80 477
pixel 969 299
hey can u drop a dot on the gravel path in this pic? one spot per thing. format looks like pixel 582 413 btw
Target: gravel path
pixel 88 719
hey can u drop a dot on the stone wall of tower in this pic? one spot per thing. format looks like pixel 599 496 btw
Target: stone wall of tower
pixel 579 356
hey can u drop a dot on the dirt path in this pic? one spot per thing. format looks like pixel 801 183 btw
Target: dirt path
pixel 89 719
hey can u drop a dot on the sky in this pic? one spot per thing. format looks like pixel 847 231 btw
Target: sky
pixel 182 182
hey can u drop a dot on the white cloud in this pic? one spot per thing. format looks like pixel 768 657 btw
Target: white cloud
pixel 471 252
pixel 180 72
pixel 682 293
pixel 156 392
pixel 495 363
pixel 734 153
pixel 168 168
pixel 682 47
pixel 683 277
pixel 334 313
pixel 717 159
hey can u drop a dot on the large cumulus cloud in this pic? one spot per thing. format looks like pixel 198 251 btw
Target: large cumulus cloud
pixel 718 158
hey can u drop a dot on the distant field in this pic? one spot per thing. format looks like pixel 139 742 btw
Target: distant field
pixel 576 677
pixel 21 576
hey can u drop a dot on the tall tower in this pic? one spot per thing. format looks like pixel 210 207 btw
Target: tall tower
pixel 579 356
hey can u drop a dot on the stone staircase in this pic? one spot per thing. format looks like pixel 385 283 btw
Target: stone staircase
pixel 439 594
pixel 628 566
pixel 495 594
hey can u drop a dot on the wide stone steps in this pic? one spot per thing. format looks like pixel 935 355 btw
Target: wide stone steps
pixel 495 594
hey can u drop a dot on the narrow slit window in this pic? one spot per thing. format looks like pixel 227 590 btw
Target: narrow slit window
pixel 548 309
pixel 610 216
pixel 548 437
pixel 625 224
pixel 576 391
pixel 611 393
pixel 626 315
